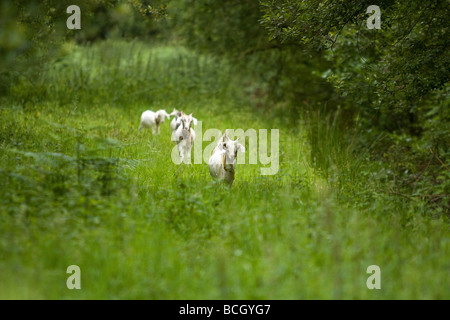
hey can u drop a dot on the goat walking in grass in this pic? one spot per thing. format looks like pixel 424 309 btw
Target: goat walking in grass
pixel 176 122
pixel 150 119
pixel 184 136
pixel 223 159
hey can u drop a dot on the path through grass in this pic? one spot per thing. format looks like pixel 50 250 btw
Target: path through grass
pixel 80 185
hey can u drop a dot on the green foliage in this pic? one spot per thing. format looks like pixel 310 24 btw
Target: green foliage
pixel 364 150
pixel 80 185
pixel 149 76
pixel 211 26
pixel 391 70
pixel 32 33
pixel 394 80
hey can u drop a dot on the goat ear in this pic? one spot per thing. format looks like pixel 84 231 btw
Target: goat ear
pixel 225 137
pixel 241 147
pixel 194 120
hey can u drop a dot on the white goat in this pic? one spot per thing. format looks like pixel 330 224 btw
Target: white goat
pixel 175 123
pixel 223 159
pixel 153 120
pixel 185 136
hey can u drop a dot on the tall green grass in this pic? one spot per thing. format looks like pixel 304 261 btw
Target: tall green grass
pixel 80 185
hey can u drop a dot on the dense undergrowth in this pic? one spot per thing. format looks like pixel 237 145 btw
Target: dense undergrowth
pixel 80 185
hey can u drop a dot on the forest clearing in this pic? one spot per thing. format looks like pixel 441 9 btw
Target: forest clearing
pixel 355 185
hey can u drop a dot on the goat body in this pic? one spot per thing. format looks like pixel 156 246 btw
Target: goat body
pixel 150 119
pixel 222 162
pixel 184 135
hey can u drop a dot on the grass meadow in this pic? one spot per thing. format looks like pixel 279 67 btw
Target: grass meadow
pixel 80 185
